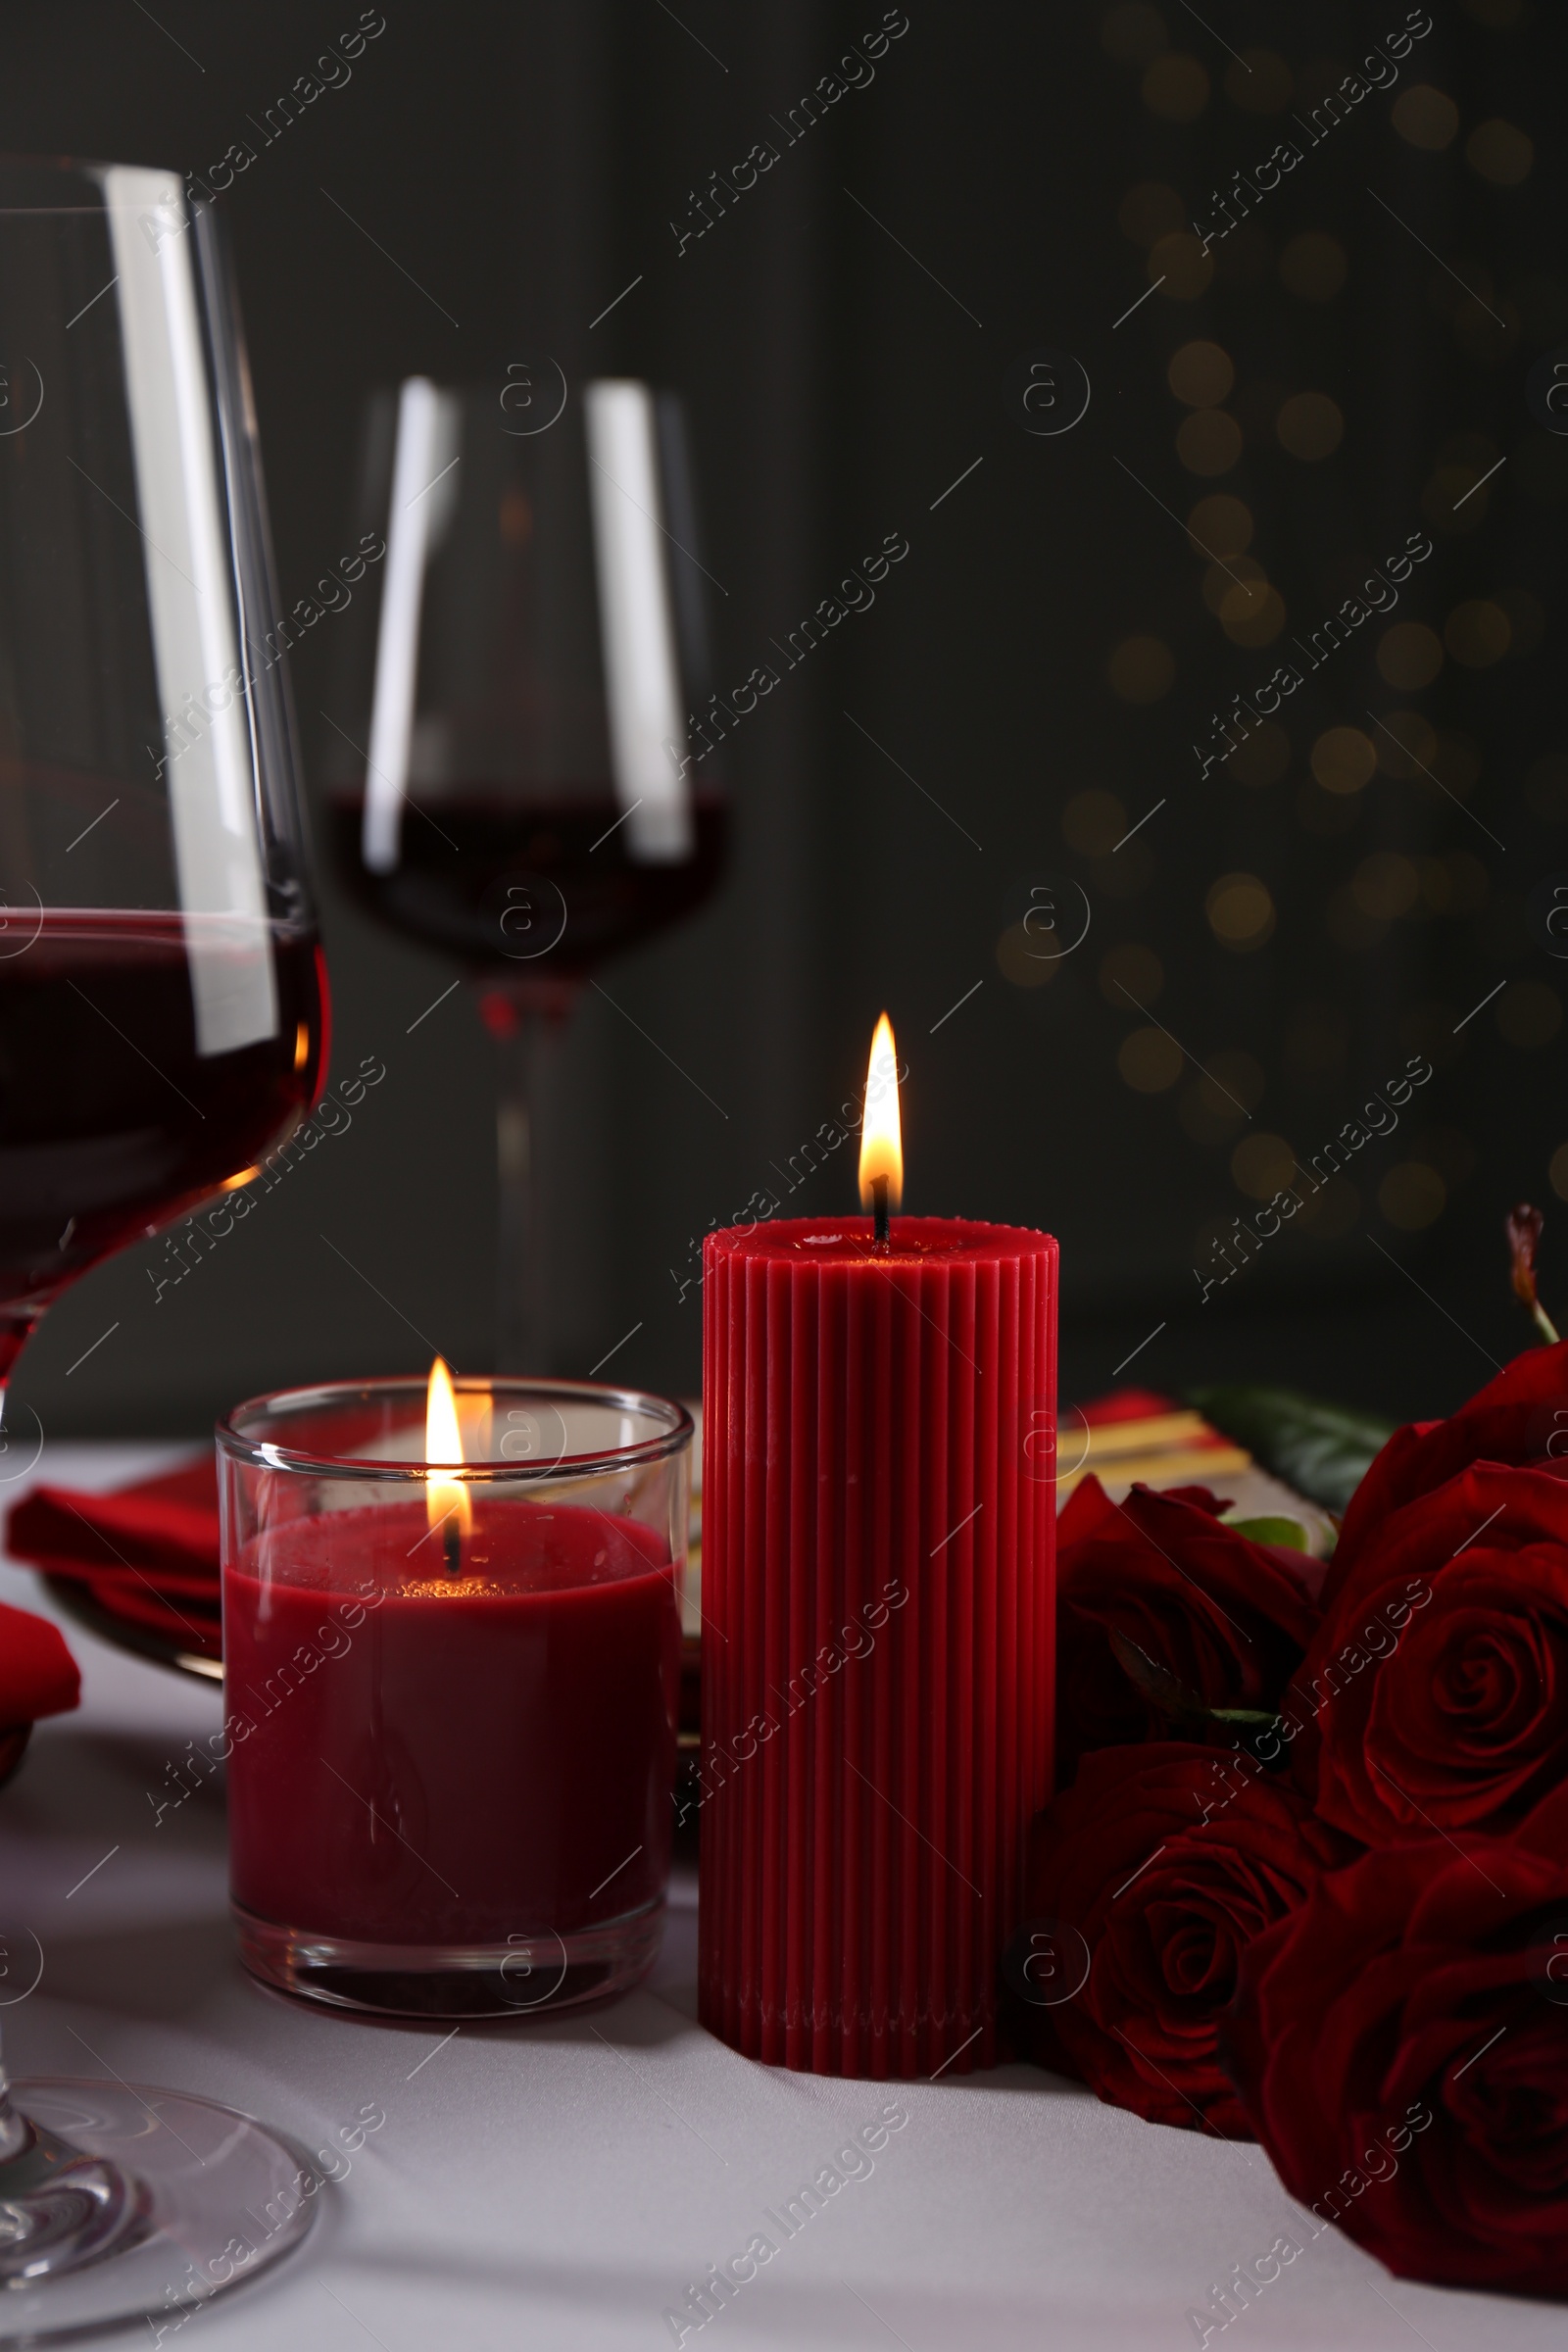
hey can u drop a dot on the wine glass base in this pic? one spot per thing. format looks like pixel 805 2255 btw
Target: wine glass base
pixel 535 1974
pixel 162 2199
pixel 62 2208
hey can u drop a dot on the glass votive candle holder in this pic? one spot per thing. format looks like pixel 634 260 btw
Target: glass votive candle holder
pixel 452 1690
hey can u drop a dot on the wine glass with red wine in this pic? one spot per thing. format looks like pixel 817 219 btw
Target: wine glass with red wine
pixel 163 1004
pixel 519 776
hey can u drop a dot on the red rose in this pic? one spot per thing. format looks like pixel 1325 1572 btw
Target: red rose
pixel 1521 1416
pixel 1435 1696
pixel 1400 2055
pixel 1168 1860
pixel 1228 1618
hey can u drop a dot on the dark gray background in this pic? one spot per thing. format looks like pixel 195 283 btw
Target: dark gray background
pixel 519 166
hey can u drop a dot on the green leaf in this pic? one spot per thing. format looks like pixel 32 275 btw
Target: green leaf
pixel 1156 1682
pixel 1183 1707
pixel 1321 1450
pixel 1289 1531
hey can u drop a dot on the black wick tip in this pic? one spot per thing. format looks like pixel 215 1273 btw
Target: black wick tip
pixel 452 1546
pixel 880 1212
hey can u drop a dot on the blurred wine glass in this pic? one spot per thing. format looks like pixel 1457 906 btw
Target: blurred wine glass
pixel 163 1003
pixel 516 776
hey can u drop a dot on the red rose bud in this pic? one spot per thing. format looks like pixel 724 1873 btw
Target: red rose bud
pixel 1523 1228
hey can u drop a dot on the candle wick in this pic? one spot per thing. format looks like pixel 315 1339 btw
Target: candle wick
pixel 452 1546
pixel 881 1237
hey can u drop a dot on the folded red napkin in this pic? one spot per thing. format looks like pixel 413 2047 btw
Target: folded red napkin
pixel 39 1675
pixel 148 1555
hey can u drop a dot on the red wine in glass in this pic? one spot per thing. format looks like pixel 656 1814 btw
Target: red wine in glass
pixel 492 878
pixel 112 1121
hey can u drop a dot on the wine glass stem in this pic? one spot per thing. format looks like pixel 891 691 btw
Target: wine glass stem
pixel 526 1054
pixel 16 1324
pixel 14 2132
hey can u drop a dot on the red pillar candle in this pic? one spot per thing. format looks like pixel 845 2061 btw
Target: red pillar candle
pixel 878 1598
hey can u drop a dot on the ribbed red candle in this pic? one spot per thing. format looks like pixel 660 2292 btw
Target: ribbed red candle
pixel 878 1635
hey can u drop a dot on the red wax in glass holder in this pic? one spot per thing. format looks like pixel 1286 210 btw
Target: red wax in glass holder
pixel 452 1723
pixel 878 1639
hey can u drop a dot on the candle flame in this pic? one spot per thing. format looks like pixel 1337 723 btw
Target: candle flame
pixel 881 1137
pixel 446 1499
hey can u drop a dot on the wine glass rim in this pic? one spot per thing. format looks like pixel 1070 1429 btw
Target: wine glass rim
pixel 269 1453
pixel 16 162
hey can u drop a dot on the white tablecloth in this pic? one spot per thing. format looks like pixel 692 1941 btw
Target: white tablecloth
pixel 558 2184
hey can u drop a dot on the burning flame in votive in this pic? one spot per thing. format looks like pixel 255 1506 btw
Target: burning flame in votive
pixel 881 1137
pixel 446 1499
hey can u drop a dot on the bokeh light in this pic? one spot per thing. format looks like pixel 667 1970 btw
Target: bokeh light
pixel 1241 912
pixel 1179 260
pixel 1149 1061
pixel 1386 885
pixel 1176 87
pixel 1263 1165
pixel 1412 1196
pixel 1200 373
pixel 1343 759
pixel 1220 526
pixel 1131 972
pixel 1426 117
pixel 1409 655
pixel 1209 441
pixel 1093 822
pixel 1310 426
pixel 1477 633
pixel 1499 152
